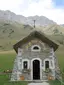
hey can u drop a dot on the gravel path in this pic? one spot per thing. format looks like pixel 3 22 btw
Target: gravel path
pixel 44 83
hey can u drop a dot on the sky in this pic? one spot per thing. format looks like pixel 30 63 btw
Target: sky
pixel 52 9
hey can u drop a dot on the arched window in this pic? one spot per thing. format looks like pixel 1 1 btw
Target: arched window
pixel 35 48
pixel 46 65
pixel 25 64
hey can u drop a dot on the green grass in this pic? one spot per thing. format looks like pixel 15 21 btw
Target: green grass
pixel 5 80
pixel 17 83
pixel 6 61
pixel 55 82
pixel 60 57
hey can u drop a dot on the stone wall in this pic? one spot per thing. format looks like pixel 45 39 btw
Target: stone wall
pixel 45 52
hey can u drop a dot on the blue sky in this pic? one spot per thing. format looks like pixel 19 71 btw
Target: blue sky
pixel 59 3
pixel 52 9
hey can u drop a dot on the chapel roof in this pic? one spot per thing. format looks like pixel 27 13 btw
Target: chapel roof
pixel 39 35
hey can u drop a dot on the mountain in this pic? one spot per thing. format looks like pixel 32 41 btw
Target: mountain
pixel 62 25
pixel 14 27
pixel 40 21
pixel 12 32
pixel 53 29
pixel 10 16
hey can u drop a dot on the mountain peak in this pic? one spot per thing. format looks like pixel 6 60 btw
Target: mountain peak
pixel 40 20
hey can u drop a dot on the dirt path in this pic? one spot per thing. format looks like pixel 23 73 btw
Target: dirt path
pixel 5 52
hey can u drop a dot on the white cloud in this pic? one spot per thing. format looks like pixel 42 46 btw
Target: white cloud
pixel 13 5
pixel 31 8
pixel 45 8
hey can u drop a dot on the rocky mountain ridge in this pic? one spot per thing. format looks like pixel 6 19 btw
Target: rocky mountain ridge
pixel 10 16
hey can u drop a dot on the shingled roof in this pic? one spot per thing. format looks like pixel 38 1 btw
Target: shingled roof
pixel 36 34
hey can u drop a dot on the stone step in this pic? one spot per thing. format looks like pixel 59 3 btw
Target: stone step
pixel 43 83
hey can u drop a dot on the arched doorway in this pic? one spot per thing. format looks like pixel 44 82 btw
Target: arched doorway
pixel 36 70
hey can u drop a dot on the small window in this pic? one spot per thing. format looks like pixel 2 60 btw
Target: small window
pixel 46 65
pixel 25 64
pixel 35 48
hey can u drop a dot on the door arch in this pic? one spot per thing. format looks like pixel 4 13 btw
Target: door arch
pixel 40 68
pixel 36 69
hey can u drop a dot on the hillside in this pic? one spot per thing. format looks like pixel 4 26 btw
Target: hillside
pixel 10 33
pixel 12 29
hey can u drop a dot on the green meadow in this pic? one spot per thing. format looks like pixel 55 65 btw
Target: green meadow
pixel 7 61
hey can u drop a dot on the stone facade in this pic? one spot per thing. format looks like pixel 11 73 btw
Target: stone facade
pixel 34 54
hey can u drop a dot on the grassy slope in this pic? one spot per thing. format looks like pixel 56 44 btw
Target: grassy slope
pixel 51 29
pixel 6 61
pixel 10 33
pixel 60 56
